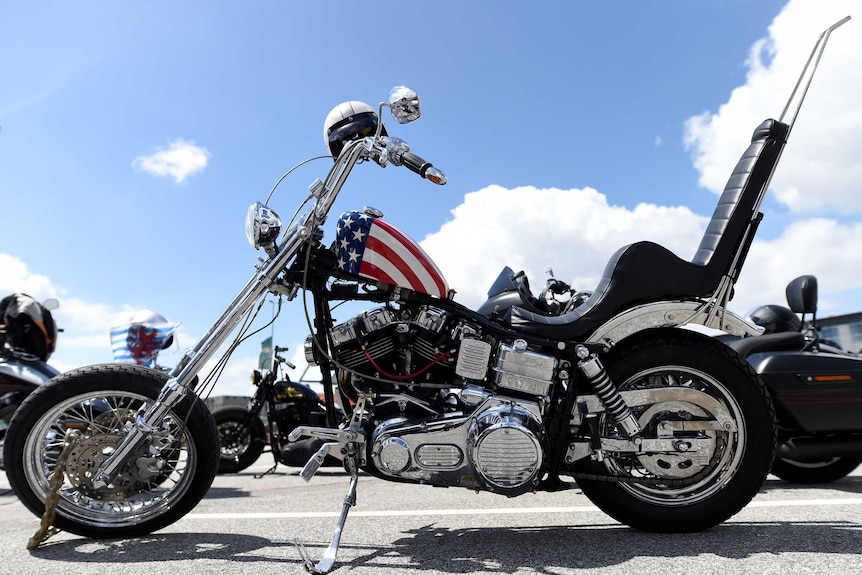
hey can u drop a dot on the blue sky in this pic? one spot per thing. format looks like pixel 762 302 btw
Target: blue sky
pixel 134 136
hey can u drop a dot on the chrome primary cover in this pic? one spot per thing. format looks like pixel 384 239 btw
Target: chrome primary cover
pixel 499 447
pixel 507 449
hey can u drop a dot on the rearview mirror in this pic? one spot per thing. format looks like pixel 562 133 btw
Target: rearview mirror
pixel 404 104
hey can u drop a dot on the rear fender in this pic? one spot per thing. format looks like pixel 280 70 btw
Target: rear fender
pixel 669 314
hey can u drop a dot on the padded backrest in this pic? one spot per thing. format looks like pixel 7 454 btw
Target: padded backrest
pixel 735 208
pixel 802 294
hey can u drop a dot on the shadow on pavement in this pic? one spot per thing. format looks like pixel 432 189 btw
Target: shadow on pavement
pixel 503 550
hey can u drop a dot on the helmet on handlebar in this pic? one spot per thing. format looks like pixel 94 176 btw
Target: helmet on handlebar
pixel 349 121
pixel 775 318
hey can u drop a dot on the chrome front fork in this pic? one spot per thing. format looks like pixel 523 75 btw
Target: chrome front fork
pixel 146 423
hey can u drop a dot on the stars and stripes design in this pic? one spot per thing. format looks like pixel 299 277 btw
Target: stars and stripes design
pixel 369 247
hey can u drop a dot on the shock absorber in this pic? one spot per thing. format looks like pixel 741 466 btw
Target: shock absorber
pixel 590 366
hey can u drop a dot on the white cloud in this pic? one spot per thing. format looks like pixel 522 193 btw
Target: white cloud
pixel 818 246
pixel 85 338
pixel 16 277
pixel 576 231
pixel 573 231
pixel 179 161
pixel 86 325
pixel 820 168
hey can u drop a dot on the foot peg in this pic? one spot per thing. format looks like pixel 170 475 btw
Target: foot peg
pixel 313 464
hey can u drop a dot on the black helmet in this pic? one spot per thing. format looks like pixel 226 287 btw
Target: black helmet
pixel 349 121
pixel 775 318
pixel 29 325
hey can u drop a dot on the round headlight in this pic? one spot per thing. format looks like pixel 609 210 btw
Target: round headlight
pixel 262 226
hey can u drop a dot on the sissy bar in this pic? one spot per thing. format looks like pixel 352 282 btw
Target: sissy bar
pixel 808 73
pixel 715 308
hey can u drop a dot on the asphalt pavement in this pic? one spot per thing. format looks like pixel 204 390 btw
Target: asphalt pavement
pixel 248 525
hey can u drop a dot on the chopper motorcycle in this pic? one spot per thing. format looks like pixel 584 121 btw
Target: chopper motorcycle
pixel 28 336
pixel 664 429
pixel 814 385
pixel 287 405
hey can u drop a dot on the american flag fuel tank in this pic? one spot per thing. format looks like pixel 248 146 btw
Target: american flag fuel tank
pixel 371 248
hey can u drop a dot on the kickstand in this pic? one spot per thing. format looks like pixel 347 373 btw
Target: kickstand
pixel 328 560
pixel 267 472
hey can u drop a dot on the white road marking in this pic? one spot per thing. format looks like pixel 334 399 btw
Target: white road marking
pixel 503 511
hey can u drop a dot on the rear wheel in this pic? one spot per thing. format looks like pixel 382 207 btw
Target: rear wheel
pixel 163 480
pixel 241 443
pixel 687 490
pixel 824 470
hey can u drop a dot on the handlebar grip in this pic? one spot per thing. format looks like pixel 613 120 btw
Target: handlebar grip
pixel 414 163
pixel 559 287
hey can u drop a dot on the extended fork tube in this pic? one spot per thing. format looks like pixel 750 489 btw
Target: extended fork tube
pixel 184 373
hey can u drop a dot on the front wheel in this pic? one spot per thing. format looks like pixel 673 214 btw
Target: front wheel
pixel 241 443
pixel 684 491
pixel 163 480
pixel 825 470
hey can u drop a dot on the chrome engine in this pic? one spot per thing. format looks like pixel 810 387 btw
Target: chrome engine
pixel 452 406
pixel 500 447
pixel 424 344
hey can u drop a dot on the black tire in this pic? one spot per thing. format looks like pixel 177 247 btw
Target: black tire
pixel 825 470
pixel 98 401
pixel 241 445
pixel 689 493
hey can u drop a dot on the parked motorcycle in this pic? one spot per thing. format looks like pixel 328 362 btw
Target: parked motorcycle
pixel 287 405
pixel 815 386
pixel 664 429
pixel 28 336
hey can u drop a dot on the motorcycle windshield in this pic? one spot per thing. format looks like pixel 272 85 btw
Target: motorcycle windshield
pixel 504 283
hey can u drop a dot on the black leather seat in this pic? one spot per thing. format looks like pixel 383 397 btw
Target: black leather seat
pixel 782 341
pixel 645 271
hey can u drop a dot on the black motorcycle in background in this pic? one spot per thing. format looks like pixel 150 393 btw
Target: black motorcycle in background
pixel 816 387
pixel 286 405
pixel 28 336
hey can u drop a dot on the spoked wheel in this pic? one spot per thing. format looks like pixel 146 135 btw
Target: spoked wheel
pixel 241 443
pixel 822 470
pixel 162 481
pixel 680 491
